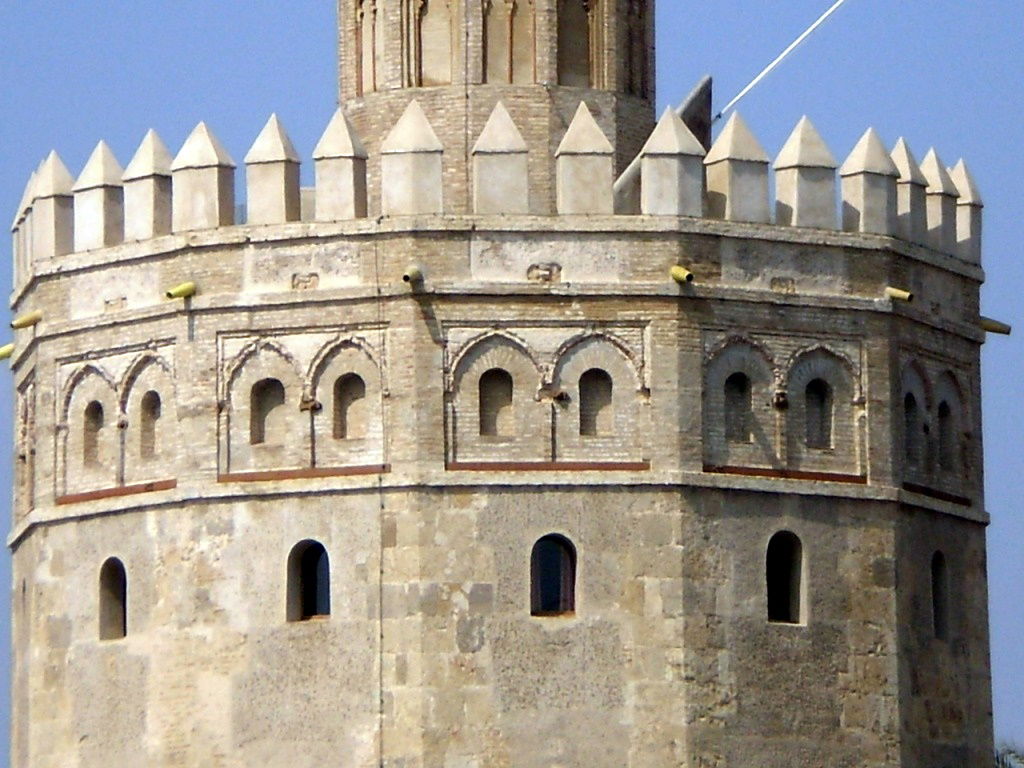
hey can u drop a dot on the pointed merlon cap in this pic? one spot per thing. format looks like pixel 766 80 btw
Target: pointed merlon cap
pixel 965 184
pixel 101 170
pixel 671 137
pixel 202 150
pixel 500 135
pixel 25 202
pixel 53 178
pixel 937 176
pixel 272 145
pixel 412 133
pixel 339 140
pixel 869 156
pixel 805 149
pixel 152 158
pixel 736 142
pixel 584 136
pixel 906 164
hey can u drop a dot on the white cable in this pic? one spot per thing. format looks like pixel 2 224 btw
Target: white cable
pixel 778 60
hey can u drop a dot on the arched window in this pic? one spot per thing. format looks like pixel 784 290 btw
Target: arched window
pixel 266 411
pixel 738 408
pixel 818 414
pixel 911 431
pixel 940 597
pixel 149 415
pixel 113 607
pixel 349 407
pixel 553 577
pixel 947 437
pixel 596 416
pixel 309 582
pixel 783 577
pixel 574 42
pixel 496 403
pixel 509 47
pixel 435 42
pixel 91 430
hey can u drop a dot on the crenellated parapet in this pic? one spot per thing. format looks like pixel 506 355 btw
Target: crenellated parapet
pixel 882 192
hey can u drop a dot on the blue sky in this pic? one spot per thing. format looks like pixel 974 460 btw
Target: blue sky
pixel 946 73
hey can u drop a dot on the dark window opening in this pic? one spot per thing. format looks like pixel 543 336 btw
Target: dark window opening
pixel 149 416
pixel 92 428
pixel 912 431
pixel 553 577
pixel 784 564
pixel 818 414
pixel 574 43
pixel 947 437
pixel 596 403
pixel 940 597
pixel 349 410
pixel 266 398
pixel 309 582
pixel 738 408
pixel 496 403
pixel 113 608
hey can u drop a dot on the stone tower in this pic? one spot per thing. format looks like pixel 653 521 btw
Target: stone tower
pixel 439 463
pixel 539 57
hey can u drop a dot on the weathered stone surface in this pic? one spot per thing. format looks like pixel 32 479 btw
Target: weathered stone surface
pixel 501 177
pixel 99 201
pixel 147 190
pixel 805 180
pixel 584 167
pixel 737 175
pixel 869 188
pixel 303 392
pixel 340 172
pixel 272 177
pixel 672 170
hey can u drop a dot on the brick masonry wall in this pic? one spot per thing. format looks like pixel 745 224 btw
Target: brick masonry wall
pixel 430 652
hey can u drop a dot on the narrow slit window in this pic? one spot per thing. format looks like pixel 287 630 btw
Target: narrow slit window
pixel 496 403
pixel 309 582
pixel 92 429
pixel 784 578
pixel 349 407
pixel 818 414
pixel 113 607
pixel 553 577
pixel 574 43
pixel 149 416
pixel 947 437
pixel 911 431
pixel 738 408
pixel 596 417
pixel 266 412
pixel 940 597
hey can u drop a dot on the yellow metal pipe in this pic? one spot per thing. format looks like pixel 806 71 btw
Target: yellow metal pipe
pixel 182 291
pixel 898 294
pixel 27 321
pixel 6 351
pixel 994 326
pixel 413 275
pixel 681 275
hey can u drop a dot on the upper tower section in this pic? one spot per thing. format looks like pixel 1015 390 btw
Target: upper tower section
pixel 599 44
pixel 459 57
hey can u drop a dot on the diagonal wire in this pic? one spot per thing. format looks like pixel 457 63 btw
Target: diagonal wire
pixel 779 59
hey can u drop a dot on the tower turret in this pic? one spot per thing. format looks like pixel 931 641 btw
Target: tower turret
pixel 540 57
